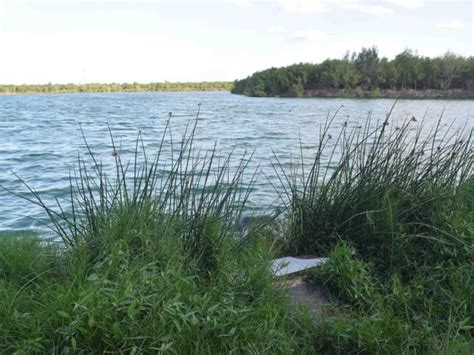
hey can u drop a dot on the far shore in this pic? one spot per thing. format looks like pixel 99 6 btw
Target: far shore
pixel 452 94
pixel 103 92
pixel 31 89
pixel 410 94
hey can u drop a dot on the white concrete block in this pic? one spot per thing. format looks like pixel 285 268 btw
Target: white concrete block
pixel 290 265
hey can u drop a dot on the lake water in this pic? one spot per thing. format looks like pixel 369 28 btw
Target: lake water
pixel 40 134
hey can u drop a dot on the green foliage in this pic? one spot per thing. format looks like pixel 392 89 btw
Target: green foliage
pixel 395 214
pixel 128 302
pixel 20 261
pixel 432 313
pixel 368 65
pixel 391 184
pixel 365 72
pixel 296 90
pixel 114 87
pixel 148 263
pixel 349 279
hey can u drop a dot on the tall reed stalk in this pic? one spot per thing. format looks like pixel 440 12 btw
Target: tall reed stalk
pixel 381 184
pixel 196 197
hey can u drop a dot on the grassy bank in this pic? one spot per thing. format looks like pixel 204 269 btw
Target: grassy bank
pixel 152 259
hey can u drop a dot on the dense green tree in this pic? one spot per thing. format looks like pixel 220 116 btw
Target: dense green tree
pixel 430 73
pixel 363 71
pixel 406 69
pixel 387 79
pixel 464 77
pixel 451 64
pixel 368 65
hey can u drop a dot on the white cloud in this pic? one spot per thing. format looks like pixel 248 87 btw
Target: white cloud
pixel 451 25
pixel 309 35
pixel 368 9
pixel 275 29
pixel 244 3
pixel 303 5
pixel 409 4
pixel 371 7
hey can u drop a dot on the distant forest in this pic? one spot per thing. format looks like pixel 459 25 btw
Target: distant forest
pixel 365 72
pixel 124 87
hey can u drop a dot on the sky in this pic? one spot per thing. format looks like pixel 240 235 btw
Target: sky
pixel 183 40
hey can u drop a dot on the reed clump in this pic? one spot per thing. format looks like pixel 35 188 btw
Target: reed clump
pixel 149 259
pixel 393 208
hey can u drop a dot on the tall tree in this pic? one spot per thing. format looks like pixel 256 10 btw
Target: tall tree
pixel 367 63
pixel 451 63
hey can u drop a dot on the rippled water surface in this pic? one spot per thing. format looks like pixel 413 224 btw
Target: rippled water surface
pixel 40 135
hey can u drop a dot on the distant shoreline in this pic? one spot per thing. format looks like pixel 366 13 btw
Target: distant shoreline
pixel 104 92
pixel 26 89
pixel 366 75
pixel 410 94
pixel 451 94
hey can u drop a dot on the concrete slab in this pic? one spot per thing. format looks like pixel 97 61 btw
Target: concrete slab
pixel 291 265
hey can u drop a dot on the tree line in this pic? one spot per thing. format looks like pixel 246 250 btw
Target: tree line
pixel 115 87
pixel 364 71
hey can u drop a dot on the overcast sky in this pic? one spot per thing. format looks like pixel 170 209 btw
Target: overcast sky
pixel 126 41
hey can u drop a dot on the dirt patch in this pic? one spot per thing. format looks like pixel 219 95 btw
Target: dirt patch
pixel 301 292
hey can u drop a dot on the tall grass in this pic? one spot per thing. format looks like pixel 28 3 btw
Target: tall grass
pixel 393 208
pixel 197 197
pixel 151 261
pixel 381 186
